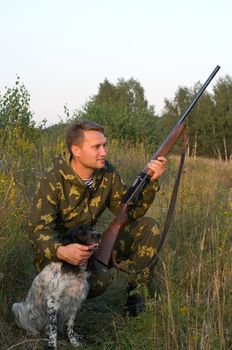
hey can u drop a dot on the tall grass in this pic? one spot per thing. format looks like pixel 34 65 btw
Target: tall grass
pixel 197 258
pixel 194 273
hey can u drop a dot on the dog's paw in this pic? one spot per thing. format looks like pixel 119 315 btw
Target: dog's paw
pixel 76 340
pixel 49 347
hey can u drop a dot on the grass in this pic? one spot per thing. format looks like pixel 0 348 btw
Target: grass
pixel 195 269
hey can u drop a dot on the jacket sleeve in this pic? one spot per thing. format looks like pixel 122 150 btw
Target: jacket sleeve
pixel 42 223
pixel 145 200
pixel 141 206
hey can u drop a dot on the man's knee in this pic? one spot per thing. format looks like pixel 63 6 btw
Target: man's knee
pixel 99 280
pixel 146 240
pixel 149 221
pixel 146 225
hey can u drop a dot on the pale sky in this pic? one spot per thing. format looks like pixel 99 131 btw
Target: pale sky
pixel 62 50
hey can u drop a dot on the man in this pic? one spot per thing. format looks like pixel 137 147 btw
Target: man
pixel 77 189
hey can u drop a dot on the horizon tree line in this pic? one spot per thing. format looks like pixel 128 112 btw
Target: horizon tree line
pixel 124 111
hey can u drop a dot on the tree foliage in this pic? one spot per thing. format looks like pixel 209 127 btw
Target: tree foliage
pixel 210 121
pixel 126 115
pixel 15 112
pixel 222 123
pixel 123 110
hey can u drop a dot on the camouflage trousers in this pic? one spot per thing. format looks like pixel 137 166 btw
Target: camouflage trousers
pixel 137 244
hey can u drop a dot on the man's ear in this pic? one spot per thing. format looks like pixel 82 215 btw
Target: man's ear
pixel 75 150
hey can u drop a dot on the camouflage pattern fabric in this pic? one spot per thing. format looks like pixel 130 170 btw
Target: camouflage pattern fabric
pixel 63 200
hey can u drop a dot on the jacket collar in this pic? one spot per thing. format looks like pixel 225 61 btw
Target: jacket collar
pixel 63 164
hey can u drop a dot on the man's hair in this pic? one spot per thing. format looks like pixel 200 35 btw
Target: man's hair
pixel 75 132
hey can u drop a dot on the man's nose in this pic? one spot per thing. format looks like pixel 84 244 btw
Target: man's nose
pixel 103 151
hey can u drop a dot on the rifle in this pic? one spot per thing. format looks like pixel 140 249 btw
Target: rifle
pixel 108 238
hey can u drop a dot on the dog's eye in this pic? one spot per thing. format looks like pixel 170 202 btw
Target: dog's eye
pixel 82 229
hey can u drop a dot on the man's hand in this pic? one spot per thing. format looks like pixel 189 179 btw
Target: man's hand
pixel 156 167
pixel 75 254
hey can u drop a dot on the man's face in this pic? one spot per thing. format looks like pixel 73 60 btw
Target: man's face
pixel 91 154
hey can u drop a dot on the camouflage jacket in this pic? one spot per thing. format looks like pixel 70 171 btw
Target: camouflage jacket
pixel 62 200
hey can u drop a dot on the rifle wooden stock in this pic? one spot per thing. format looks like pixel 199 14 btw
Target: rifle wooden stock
pixel 108 238
pixel 168 143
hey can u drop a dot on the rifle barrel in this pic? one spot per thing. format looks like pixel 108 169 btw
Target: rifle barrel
pixel 143 175
pixel 198 95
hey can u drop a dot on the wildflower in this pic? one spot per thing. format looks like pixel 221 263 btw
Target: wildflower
pixel 183 310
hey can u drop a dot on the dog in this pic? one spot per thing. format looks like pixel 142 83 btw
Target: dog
pixel 56 294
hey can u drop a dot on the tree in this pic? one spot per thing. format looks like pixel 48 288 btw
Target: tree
pixel 123 110
pixel 223 117
pixel 15 110
pixel 199 121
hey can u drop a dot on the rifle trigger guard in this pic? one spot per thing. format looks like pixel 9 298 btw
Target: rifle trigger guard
pixel 114 262
pixel 114 259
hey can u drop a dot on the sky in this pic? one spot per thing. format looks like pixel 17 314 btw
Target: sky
pixel 63 49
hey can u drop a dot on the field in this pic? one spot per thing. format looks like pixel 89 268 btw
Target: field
pixel 194 276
